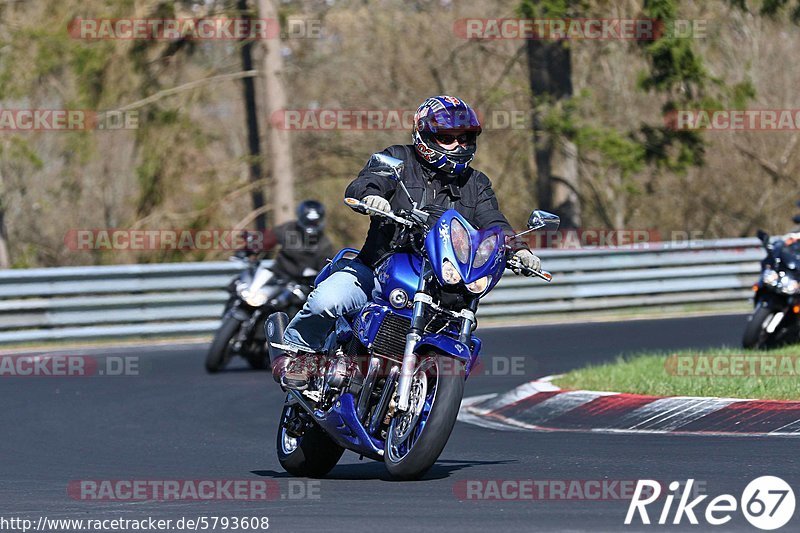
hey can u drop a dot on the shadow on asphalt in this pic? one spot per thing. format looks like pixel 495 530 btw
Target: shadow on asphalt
pixel 376 470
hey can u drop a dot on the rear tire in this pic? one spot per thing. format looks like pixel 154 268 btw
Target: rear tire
pixel 430 440
pixel 217 356
pixel 755 332
pixel 313 454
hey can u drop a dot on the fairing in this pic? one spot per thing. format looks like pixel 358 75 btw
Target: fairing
pixel 439 246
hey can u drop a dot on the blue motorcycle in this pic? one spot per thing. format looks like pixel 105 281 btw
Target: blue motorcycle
pixel 392 380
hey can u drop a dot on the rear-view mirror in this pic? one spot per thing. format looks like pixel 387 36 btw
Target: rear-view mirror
pixel 543 219
pixel 385 165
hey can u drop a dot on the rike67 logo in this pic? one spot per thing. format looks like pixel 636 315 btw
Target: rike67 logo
pixel 767 503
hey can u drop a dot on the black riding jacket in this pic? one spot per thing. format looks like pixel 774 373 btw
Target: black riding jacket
pixel 470 194
pixel 299 251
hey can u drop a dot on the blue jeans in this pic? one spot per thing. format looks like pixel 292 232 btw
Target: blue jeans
pixel 344 291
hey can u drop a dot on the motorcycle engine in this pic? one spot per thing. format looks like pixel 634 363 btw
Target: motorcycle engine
pixel 342 373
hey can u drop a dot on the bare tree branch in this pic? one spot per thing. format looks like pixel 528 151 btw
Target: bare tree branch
pixel 187 87
pixel 264 209
pixel 768 167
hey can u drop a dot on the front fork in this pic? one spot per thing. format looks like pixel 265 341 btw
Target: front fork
pixel 421 298
pixel 412 339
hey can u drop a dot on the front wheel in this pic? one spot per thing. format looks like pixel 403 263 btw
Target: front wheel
pixel 755 333
pixel 219 353
pixel 416 438
pixel 304 449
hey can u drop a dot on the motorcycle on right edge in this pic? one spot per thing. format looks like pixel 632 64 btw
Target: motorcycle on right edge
pixel 775 320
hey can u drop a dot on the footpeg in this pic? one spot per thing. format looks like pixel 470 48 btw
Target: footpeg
pixel 313 395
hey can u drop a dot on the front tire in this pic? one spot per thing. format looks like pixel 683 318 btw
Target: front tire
pixel 755 333
pixel 414 443
pixel 218 354
pixel 313 454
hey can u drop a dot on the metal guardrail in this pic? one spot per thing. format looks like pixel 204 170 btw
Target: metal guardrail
pixel 188 298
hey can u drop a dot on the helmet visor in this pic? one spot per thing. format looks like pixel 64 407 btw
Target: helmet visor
pixel 449 119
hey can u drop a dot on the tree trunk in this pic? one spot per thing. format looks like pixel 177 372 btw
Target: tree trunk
pixel 550 69
pixel 565 184
pixel 251 117
pixel 5 259
pixel 279 142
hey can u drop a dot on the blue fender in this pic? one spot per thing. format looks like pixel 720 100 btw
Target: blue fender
pixel 452 347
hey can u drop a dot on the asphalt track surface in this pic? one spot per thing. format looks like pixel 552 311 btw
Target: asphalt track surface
pixel 175 422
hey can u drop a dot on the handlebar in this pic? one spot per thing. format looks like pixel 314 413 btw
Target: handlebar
pixel 358 204
pixel 410 223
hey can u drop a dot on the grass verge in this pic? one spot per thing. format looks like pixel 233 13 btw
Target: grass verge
pixel 723 372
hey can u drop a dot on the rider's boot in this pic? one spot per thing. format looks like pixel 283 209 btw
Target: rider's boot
pixel 298 370
pixel 292 370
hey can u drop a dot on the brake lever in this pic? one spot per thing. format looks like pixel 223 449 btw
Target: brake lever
pixel 543 274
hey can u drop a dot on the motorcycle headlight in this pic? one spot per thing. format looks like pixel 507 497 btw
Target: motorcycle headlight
pixel 479 285
pixel 790 285
pixel 770 277
pixel 450 273
pixel 485 250
pixel 459 236
pixel 255 298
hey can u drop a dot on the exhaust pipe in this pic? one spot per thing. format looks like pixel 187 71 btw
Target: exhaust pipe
pixel 274 327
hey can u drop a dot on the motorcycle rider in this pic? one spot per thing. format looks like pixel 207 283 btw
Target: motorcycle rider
pixel 303 245
pixel 303 242
pixel 437 173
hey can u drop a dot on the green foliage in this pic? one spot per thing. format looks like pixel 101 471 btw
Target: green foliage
pixel 773 8
pixel 677 73
pixel 90 64
pixel 739 94
pixel 627 153
pixel 676 76
pixel 19 149
pixel 544 9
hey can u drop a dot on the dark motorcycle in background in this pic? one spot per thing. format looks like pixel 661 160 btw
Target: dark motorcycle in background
pixel 774 322
pixel 255 294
